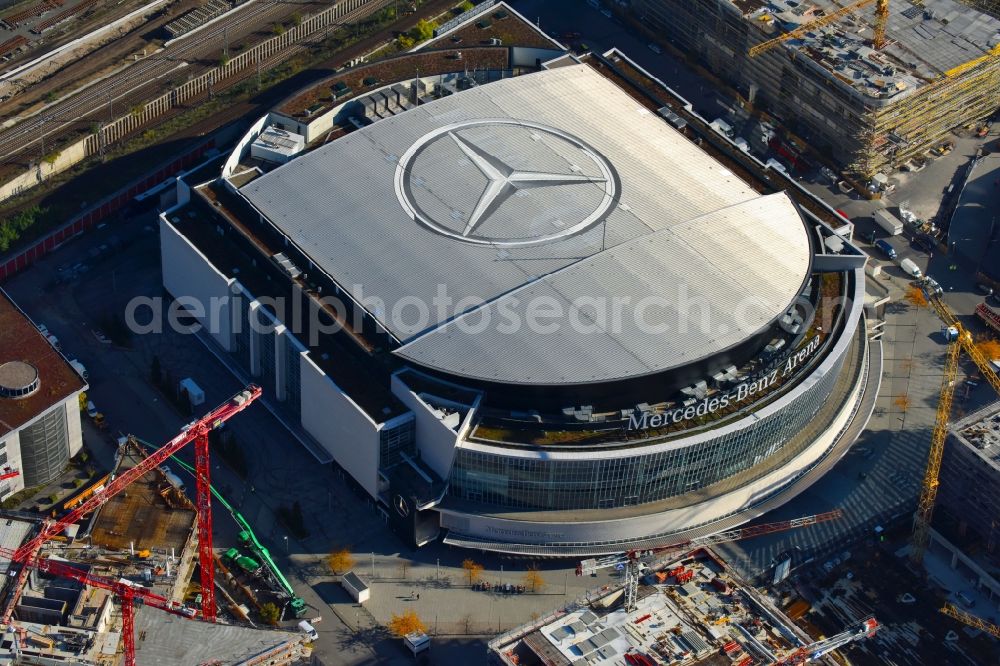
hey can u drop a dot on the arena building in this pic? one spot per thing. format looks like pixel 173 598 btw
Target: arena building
pixel 523 310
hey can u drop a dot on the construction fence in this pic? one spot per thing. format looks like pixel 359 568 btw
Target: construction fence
pixel 109 205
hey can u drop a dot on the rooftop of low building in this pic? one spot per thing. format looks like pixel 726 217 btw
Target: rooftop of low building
pixel 34 375
pixel 926 41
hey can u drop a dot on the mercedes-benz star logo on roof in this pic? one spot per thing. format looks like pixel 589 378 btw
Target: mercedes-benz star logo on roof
pixel 503 181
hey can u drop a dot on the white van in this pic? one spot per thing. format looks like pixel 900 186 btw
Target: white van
pixel 308 630
pixel 91 409
pixel 723 128
pixel 80 369
pixel 911 268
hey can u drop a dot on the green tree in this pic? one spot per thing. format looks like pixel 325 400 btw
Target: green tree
pixel 297 19
pixel 278 29
pixel 270 613
pixel 423 31
pixel 405 42
pixel 137 109
pixel 465 6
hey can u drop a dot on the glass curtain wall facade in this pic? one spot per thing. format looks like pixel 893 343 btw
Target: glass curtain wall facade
pixel 632 478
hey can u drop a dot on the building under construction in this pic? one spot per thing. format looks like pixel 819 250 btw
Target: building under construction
pixel 694 611
pixel 970 478
pixel 870 84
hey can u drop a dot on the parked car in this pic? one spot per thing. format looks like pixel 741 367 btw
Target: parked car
pixel 91 409
pixel 910 268
pixel 984 289
pixel 886 248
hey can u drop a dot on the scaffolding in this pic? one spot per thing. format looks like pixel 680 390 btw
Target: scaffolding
pixel 902 105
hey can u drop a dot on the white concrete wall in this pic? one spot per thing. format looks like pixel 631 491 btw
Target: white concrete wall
pixel 339 425
pixel 12 443
pixel 435 441
pixel 74 430
pixel 67 157
pixel 233 161
pixel 187 273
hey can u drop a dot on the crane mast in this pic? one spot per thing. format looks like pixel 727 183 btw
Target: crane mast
pixel 928 492
pixel 630 561
pixel 130 594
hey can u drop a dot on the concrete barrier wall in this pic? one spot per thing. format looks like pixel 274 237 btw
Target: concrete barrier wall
pixel 68 156
pixel 260 55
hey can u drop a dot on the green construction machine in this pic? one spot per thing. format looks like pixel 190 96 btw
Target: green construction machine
pixel 247 538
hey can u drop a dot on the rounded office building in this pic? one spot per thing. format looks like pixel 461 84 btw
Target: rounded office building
pixel 596 335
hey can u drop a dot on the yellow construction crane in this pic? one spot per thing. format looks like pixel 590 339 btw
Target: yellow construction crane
pixel 881 18
pixel 881 15
pixel 971 620
pixel 928 494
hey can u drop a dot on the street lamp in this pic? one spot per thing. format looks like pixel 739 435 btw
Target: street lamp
pixel 286 544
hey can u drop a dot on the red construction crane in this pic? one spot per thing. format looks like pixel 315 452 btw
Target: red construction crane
pixel 197 432
pixel 865 629
pixel 128 593
pixel 630 560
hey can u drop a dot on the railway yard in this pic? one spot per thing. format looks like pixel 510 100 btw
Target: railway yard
pixel 127 72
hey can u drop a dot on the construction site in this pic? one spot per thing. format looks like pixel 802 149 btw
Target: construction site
pixel 871 85
pixel 127 574
pixel 694 610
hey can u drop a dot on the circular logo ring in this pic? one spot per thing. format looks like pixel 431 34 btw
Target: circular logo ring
pixel 502 181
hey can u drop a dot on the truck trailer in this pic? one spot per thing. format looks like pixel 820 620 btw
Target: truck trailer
pixel 891 224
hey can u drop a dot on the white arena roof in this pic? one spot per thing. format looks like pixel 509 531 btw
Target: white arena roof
pixel 552 187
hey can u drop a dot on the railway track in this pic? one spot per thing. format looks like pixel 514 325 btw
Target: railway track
pixel 77 110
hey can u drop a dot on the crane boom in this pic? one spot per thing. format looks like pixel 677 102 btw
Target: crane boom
pixel 591 565
pixel 201 427
pixel 967 618
pixel 128 594
pixel 766 528
pixel 928 492
pixel 865 629
pixel 815 24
